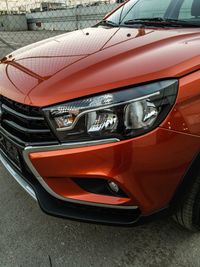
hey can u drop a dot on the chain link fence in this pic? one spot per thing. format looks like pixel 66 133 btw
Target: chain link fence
pixel 26 22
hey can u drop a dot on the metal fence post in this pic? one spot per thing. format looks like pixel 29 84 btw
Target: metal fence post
pixel 77 17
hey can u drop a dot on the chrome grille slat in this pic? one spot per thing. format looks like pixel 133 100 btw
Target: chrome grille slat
pixel 17 114
pixel 22 129
pixel 25 124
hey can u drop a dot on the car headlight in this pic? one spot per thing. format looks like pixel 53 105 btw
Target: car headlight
pixel 120 114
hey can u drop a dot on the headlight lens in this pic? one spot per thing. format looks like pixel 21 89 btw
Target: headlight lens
pixel 119 114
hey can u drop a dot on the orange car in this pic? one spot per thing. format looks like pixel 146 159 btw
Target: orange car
pixel 103 124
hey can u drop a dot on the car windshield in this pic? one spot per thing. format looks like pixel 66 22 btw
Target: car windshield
pixel 175 13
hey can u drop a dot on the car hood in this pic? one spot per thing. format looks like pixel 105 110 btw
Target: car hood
pixel 96 60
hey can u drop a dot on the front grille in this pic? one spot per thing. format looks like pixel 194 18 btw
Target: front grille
pixel 24 124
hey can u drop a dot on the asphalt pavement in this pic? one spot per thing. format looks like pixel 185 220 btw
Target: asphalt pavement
pixel 28 238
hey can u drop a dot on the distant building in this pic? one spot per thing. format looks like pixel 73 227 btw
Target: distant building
pixel 88 2
pixel 46 6
pixel 14 7
pixel 22 7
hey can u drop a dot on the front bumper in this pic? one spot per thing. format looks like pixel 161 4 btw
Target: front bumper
pixel 149 169
pixel 75 211
pixel 18 177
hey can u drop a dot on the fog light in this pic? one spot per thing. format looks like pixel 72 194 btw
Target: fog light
pixel 100 187
pixel 113 186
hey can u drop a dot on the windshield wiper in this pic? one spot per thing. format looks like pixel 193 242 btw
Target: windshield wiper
pixel 161 22
pixel 108 23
